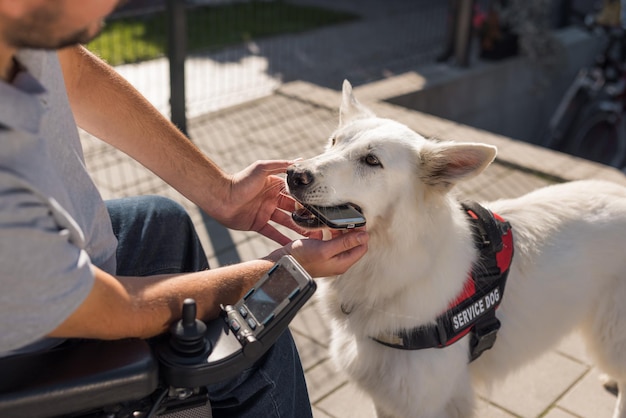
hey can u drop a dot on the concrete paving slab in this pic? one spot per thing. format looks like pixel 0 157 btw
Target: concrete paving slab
pixel 312 353
pixel 487 409
pixel 318 413
pixel 336 406
pixel 559 413
pixel 324 379
pixel 588 399
pixel 573 346
pixel 310 322
pixel 534 389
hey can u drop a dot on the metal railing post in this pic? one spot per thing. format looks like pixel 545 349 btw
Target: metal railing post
pixel 463 32
pixel 177 52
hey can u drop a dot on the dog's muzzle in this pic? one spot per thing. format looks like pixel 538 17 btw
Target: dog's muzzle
pixel 298 178
pixel 304 218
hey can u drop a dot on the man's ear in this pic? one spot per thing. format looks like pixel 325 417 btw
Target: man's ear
pixel 350 108
pixel 442 165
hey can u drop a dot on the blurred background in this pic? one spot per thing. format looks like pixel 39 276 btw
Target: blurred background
pixel 498 65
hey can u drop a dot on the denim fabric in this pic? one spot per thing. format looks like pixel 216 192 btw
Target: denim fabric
pixel 156 236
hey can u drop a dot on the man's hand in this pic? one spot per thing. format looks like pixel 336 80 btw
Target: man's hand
pixel 326 258
pixel 256 196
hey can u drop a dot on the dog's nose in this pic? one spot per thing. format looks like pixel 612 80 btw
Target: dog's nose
pixel 298 177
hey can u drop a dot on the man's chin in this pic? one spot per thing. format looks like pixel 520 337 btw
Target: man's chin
pixel 83 36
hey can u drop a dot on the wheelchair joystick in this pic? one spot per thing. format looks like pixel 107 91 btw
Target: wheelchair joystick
pixel 188 334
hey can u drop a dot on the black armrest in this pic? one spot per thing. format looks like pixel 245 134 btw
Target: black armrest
pixel 82 376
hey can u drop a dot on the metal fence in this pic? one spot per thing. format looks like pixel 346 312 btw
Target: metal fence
pixel 240 50
pixel 191 57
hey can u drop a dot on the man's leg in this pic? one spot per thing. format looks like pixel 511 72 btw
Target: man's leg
pixel 156 236
pixel 276 388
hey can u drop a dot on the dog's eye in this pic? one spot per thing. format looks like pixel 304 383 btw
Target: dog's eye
pixel 332 141
pixel 372 160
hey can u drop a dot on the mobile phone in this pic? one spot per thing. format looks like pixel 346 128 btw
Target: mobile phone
pixel 268 307
pixel 338 217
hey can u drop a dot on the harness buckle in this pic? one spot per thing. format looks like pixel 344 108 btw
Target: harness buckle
pixel 483 336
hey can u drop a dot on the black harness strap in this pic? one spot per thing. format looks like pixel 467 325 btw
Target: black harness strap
pixel 476 311
pixel 487 273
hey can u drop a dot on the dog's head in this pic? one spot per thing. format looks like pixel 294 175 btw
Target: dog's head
pixel 375 163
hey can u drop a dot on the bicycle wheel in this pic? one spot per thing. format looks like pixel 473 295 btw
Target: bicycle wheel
pixel 598 136
pixel 571 107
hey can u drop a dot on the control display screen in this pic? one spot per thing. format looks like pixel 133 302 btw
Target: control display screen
pixel 262 302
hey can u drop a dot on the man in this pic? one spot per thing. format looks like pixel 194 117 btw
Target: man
pixel 64 274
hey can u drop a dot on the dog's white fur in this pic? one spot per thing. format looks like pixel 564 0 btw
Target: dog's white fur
pixel 568 272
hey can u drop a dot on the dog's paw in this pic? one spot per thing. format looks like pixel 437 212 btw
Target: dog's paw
pixel 609 383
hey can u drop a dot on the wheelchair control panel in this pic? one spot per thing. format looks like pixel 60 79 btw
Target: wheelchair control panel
pixel 199 355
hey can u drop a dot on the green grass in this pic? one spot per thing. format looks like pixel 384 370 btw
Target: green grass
pixel 210 28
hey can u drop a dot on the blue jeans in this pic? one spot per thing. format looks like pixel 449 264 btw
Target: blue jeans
pixel 156 236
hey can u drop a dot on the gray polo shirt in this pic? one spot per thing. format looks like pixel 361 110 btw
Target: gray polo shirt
pixel 53 223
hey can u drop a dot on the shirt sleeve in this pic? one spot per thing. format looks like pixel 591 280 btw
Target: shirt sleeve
pixel 45 272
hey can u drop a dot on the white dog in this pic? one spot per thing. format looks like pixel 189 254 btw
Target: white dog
pixel 568 270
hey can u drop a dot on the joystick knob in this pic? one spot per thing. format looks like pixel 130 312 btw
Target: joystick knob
pixel 188 334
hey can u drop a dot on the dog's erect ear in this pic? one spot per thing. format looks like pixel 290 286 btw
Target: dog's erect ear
pixel 351 109
pixel 445 164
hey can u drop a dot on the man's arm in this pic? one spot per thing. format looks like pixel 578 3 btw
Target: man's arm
pixel 107 106
pixel 110 108
pixel 122 307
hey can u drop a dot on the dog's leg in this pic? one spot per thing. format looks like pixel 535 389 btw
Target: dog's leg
pixel 604 331
pixel 461 406
pixel 609 383
pixel 380 413
pixel 620 407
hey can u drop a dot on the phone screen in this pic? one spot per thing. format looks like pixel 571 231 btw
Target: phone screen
pixel 342 216
pixel 264 300
pixel 344 213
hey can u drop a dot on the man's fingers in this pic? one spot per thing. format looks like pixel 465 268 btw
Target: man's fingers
pixel 286 203
pixel 353 246
pixel 272 233
pixel 347 242
pixel 284 219
pixel 355 239
pixel 274 166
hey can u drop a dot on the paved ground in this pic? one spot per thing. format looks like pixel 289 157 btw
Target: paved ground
pixel 295 122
